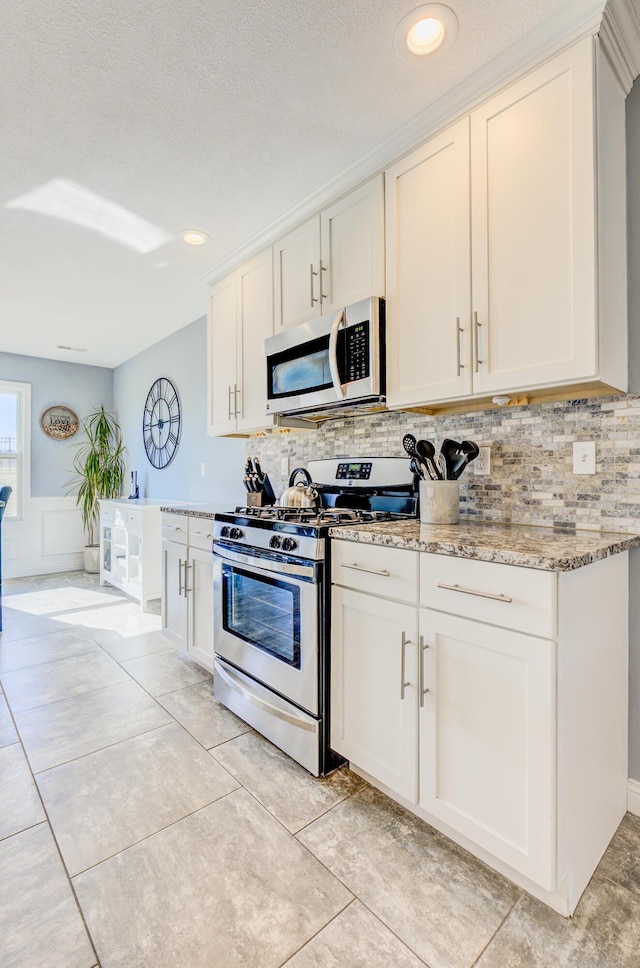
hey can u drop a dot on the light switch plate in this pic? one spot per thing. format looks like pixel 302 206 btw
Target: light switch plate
pixel 584 457
pixel 482 463
pixel 203 470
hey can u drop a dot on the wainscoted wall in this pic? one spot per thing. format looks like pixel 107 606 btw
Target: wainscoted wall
pixel 531 480
pixel 49 536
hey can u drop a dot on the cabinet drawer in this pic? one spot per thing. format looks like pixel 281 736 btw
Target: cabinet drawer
pixel 107 513
pixel 201 533
pixel 133 519
pixel 175 527
pixel 390 572
pixel 516 598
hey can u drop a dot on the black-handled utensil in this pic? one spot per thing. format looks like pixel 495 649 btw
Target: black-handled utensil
pixel 450 450
pixel 417 468
pixel 468 451
pixel 426 453
pixel 258 470
pixel 409 444
pixel 247 479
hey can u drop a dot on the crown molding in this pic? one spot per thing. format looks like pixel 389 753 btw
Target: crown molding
pixel 577 19
pixel 620 38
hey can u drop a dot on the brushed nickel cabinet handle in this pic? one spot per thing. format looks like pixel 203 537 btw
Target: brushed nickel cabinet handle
pixel 323 295
pixel 236 392
pixel 473 591
pixel 476 330
pixel 230 413
pixel 403 680
pixel 186 568
pixel 421 689
pixel 369 571
pixel 180 589
pixel 460 331
pixel 311 275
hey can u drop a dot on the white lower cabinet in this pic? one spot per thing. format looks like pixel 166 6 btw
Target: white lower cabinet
pixel 487 738
pixel 374 668
pixel 187 585
pixel 493 703
pixel 130 547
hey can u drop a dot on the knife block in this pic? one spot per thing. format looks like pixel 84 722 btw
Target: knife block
pixel 256 499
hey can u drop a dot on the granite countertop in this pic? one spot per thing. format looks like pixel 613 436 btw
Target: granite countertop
pixel 197 510
pixel 548 549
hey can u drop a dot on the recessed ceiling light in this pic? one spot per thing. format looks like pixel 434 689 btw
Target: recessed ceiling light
pixel 194 237
pixel 425 30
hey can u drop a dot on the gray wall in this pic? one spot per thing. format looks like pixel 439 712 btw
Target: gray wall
pixel 83 388
pixel 182 358
pixel 633 206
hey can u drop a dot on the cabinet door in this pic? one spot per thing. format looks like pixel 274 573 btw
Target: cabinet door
pixel 374 706
pixel 221 357
pixel 487 739
pixel 352 243
pixel 296 275
pixel 255 324
pixel 533 205
pixel 174 600
pixel 200 598
pixel 429 272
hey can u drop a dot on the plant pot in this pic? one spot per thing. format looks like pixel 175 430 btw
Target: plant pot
pixel 92 559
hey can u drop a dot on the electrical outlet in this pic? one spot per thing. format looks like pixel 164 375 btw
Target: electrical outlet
pixel 584 457
pixel 482 463
pixel 203 469
pixel 284 466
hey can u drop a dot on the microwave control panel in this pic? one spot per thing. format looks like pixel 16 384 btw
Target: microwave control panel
pixel 356 352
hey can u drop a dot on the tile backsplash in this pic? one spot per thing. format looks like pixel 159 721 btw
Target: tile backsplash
pixel 531 479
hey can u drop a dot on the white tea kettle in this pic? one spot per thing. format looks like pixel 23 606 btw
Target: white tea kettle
pixel 302 494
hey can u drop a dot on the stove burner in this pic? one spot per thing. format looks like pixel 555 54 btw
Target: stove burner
pixel 315 517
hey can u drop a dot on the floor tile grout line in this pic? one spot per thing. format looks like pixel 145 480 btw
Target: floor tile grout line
pixel 635 892
pixel 160 830
pixel 392 931
pixel 499 928
pixel 283 964
pixel 118 742
pixel 40 665
pixel 57 845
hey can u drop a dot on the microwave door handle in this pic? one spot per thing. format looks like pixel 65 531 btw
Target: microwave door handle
pixel 333 354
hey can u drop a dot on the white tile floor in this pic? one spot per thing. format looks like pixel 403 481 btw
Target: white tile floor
pixel 142 825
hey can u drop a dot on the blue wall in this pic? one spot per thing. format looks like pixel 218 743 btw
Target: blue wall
pixel 182 357
pixel 75 385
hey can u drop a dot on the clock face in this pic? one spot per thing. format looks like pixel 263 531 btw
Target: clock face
pixel 161 423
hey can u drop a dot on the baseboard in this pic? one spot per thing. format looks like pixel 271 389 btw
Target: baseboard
pixel 633 797
pixel 51 565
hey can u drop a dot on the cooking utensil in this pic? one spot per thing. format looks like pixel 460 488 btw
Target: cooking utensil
pixel 417 468
pixel 450 450
pixel 409 444
pixel 247 480
pixel 469 451
pixel 258 470
pixel 426 452
pixel 300 494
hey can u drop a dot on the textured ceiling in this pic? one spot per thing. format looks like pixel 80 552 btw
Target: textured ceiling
pixel 203 113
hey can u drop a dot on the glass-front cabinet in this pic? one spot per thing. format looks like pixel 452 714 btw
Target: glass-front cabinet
pixel 130 547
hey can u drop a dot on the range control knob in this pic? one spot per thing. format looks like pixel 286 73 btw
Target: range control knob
pixel 288 544
pixel 236 533
pixel 224 531
pixel 275 541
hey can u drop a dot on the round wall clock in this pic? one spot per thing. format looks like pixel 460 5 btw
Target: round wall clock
pixel 161 423
pixel 59 423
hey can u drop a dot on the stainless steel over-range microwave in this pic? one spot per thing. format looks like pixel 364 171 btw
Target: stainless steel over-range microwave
pixel 332 361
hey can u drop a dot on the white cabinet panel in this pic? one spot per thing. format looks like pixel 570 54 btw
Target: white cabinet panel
pixel 374 708
pixel 487 739
pixel 429 271
pixel 255 324
pixel 221 357
pixel 187 585
pixel 200 597
pixel 533 216
pixel 297 275
pixel 174 600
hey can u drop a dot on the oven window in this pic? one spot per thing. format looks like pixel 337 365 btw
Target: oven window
pixel 263 611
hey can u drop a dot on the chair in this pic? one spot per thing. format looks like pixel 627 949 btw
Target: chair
pixel 5 494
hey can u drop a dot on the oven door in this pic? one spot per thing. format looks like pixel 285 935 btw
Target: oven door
pixel 266 620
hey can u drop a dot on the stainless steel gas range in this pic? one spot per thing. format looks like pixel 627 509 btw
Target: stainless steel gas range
pixel 272 602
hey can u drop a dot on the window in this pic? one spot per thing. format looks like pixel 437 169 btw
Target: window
pixel 15 407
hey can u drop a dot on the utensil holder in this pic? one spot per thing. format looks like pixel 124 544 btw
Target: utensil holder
pixel 439 502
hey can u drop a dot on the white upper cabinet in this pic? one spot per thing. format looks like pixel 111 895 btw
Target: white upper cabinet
pixel 533 195
pixel 429 271
pixel 333 259
pixel 506 252
pixel 240 319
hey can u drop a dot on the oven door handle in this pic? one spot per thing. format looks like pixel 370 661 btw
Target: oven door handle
pixel 264 564
pixel 267 707
pixel 333 354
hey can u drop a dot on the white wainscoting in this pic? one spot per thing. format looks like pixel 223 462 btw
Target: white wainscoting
pixel 48 539
pixel 633 797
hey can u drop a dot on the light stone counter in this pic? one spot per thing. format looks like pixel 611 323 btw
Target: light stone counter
pixel 197 510
pixel 548 549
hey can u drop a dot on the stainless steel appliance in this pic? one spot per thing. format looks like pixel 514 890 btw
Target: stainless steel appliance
pixel 335 360
pixel 271 592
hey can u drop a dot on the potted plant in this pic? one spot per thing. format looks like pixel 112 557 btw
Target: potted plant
pixel 99 464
